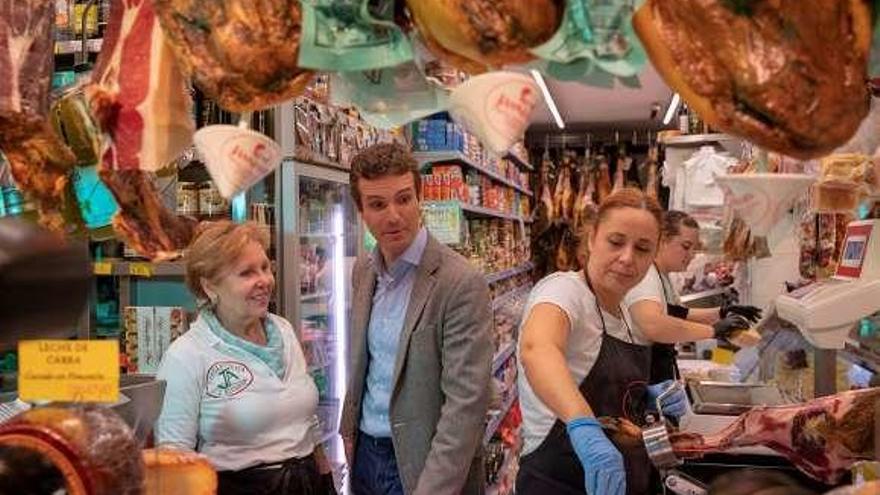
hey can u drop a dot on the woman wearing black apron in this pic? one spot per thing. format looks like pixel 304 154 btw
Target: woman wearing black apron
pixel 656 310
pixel 579 361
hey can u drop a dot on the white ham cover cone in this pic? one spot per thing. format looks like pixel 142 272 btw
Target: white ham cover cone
pixel 761 200
pixel 495 107
pixel 236 158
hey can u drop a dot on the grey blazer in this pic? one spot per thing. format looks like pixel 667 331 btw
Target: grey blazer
pixel 442 374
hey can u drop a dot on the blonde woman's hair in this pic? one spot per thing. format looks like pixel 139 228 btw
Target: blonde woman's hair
pixel 215 247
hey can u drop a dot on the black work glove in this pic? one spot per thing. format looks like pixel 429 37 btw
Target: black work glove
pixel 729 326
pixel 677 311
pixel 750 313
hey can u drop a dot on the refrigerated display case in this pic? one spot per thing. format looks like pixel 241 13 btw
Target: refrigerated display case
pixel 319 243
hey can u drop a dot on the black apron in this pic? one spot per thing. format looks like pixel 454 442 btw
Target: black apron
pixel 664 365
pixel 295 476
pixel 615 386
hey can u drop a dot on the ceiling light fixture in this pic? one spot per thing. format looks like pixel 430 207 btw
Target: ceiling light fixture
pixel 548 98
pixel 670 110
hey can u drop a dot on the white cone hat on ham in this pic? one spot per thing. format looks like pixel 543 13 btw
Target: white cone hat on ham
pixel 495 107
pixel 235 157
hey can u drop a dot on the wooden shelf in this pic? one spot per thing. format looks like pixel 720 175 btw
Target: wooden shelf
pixel 426 158
pixel 512 272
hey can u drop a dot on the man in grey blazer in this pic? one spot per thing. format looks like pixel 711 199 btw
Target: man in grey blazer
pixel 420 347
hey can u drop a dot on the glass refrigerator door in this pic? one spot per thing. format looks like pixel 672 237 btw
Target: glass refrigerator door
pixel 326 248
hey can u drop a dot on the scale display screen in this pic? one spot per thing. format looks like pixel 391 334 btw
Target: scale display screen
pixel 852 256
pixel 853 252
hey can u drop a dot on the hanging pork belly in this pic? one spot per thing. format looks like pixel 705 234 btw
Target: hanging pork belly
pixel 788 75
pixel 139 98
pixel 39 161
pixel 478 35
pixel 241 53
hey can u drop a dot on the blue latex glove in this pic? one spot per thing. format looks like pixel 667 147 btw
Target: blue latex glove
pixel 674 404
pixel 604 473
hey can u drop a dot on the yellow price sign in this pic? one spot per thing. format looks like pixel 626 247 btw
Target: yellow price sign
pixel 103 268
pixel 140 269
pixel 68 370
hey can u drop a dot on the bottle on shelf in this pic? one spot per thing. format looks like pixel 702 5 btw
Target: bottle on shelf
pixel 695 123
pixel 683 119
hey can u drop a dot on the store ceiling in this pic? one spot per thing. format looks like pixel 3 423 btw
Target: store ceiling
pixel 584 107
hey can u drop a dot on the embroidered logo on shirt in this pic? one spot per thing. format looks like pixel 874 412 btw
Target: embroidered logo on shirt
pixel 228 378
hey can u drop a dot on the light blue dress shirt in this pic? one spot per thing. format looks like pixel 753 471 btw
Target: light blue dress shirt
pixel 390 300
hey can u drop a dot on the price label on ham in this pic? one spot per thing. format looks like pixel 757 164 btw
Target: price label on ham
pixel 140 269
pixel 68 370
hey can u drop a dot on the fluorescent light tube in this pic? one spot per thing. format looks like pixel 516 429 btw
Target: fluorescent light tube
pixel 670 110
pixel 548 98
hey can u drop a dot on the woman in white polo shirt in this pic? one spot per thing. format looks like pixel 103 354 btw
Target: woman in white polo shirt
pixel 237 387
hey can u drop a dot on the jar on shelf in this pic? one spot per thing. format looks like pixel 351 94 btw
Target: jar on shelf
pixel 188 198
pixel 212 205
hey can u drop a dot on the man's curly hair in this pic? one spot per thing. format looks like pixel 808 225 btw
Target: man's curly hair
pixel 383 160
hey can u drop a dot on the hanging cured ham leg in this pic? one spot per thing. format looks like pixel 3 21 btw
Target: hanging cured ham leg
pixel 789 76
pixel 140 101
pixel 39 161
pixel 651 164
pixel 241 53
pixel 604 186
pixel 476 35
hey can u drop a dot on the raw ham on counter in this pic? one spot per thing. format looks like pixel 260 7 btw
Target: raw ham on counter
pixel 39 161
pixel 822 438
pixel 139 98
pixel 241 53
